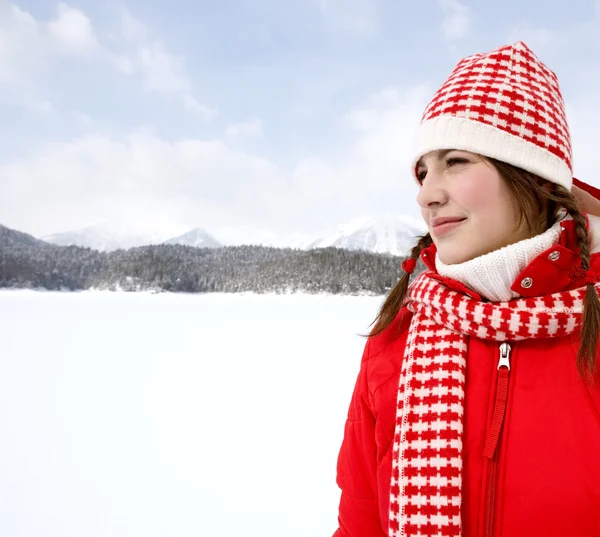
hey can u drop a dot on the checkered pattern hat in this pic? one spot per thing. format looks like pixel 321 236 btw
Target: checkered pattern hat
pixel 507 105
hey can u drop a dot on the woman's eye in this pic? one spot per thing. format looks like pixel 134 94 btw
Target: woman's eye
pixel 456 160
pixel 421 176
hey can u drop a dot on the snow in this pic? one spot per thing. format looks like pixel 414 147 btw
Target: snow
pixel 386 233
pixel 394 234
pixel 138 414
pixel 196 237
pixel 239 235
pixel 109 236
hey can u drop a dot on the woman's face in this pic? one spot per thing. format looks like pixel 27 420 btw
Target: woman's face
pixel 467 205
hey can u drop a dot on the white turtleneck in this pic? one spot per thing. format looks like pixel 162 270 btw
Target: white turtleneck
pixel 492 275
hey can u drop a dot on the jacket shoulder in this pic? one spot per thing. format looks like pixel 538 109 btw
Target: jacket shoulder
pixel 384 352
pixel 395 332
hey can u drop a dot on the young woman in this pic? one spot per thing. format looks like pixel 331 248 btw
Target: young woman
pixel 477 407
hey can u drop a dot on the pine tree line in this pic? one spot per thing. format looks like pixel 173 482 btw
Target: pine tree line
pixel 27 262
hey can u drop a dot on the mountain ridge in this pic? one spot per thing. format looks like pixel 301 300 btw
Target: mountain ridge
pixel 391 234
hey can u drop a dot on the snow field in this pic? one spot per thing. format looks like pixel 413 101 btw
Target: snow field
pixel 138 414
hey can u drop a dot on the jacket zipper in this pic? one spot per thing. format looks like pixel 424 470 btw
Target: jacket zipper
pixel 490 450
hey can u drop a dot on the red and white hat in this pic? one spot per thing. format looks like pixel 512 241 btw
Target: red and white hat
pixel 507 105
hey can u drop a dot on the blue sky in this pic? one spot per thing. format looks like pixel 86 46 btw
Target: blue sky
pixel 285 116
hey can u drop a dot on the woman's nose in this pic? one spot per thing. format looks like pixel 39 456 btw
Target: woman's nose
pixel 432 191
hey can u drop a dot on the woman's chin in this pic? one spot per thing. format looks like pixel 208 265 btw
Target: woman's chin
pixel 454 256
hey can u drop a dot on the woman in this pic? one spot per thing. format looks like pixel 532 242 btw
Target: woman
pixel 477 407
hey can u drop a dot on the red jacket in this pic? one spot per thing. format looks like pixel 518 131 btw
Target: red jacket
pixel 545 478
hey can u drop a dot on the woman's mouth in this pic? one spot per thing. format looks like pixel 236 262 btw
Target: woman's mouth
pixel 444 228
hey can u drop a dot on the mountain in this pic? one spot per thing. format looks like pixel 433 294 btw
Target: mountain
pixel 240 235
pixel 390 234
pixel 12 239
pixel 107 237
pixel 196 237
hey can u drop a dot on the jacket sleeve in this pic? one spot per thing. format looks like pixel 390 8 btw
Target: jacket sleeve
pixel 357 466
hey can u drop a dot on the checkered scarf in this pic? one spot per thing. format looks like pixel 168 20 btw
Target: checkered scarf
pixel 427 458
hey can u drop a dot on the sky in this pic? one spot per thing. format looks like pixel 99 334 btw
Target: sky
pixel 286 116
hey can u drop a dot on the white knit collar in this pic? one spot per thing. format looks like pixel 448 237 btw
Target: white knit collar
pixel 492 275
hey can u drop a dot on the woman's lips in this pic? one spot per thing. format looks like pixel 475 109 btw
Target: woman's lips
pixel 444 229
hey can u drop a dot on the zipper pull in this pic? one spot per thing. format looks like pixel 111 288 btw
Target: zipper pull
pixel 504 356
pixel 493 434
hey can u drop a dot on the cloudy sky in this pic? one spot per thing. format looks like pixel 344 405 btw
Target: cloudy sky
pixel 284 115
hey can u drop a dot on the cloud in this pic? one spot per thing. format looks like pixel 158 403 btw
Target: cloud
pixel 73 30
pixel 250 128
pixel 209 183
pixel 161 71
pixel 353 16
pixel 83 119
pixel 456 19
pixel 205 113
pixel 132 29
pixel 27 45
pixel 29 49
pixel 138 177
pixel 20 44
pixel 122 64
pixel 44 107
pixel 377 161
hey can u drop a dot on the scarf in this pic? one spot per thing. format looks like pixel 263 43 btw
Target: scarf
pixel 425 495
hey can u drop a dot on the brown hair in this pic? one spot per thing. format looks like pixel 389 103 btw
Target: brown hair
pixel 539 202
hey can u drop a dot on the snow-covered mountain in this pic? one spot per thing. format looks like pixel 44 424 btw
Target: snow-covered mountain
pixel 382 234
pixel 196 237
pixel 13 239
pixel 107 237
pixel 238 235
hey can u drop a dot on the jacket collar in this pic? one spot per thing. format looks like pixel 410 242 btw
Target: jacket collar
pixel 556 269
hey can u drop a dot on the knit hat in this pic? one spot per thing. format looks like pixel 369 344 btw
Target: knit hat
pixel 505 104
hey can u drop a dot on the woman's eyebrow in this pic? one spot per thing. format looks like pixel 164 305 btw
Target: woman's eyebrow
pixel 439 155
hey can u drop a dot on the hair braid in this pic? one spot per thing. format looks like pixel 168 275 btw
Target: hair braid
pixel 587 355
pixel 395 299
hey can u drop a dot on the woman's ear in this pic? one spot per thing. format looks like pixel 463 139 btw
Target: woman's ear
pixel 585 201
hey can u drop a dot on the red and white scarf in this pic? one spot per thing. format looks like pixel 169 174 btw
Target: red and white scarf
pixel 427 459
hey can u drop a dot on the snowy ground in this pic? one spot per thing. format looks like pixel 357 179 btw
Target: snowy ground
pixel 143 415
